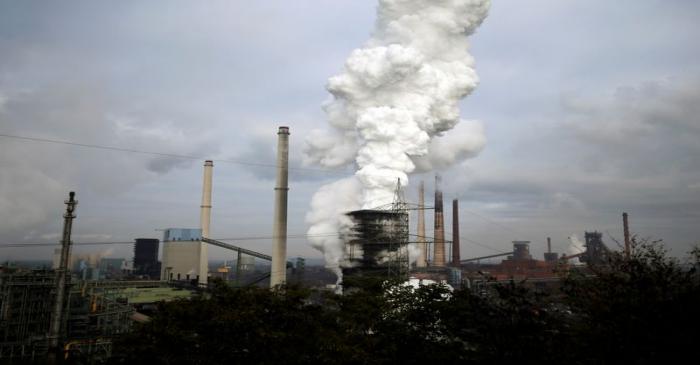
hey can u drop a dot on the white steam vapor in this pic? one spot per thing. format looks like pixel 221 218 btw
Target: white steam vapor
pixel 395 95
pixel 576 246
pixel 328 220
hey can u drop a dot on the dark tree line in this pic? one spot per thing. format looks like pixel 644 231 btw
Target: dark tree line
pixel 641 310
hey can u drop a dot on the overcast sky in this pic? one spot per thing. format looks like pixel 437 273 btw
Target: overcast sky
pixel 591 108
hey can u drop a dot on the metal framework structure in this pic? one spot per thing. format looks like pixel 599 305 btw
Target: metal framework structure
pixel 377 244
pixel 244 251
pixel 26 302
pixel 399 264
pixel 91 316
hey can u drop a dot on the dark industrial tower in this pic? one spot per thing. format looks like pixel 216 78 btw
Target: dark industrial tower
pixel 439 226
pixel 146 257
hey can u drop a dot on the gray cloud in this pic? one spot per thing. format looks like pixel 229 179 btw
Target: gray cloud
pixel 632 148
pixel 575 134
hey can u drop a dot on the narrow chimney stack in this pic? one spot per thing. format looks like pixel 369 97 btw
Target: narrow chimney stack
pixel 549 245
pixel 439 253
pixel 278 270
pixel 455 234
pixel 205 222
pixel 626 227
pixel 422 257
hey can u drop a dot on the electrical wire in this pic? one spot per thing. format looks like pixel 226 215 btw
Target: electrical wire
pixel 162 154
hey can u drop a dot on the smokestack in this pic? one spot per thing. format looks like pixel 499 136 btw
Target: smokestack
pixel 205 221
pixel 62 276
pixel 626 227
pixel 422 257
pixel 439 255
pixel 455 233
pixel 278 271
pixel 549 245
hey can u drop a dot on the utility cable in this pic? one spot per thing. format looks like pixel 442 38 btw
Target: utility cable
pixel 162 154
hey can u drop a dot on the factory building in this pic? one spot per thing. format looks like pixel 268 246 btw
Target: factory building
pixel 146 257
pixel 181 251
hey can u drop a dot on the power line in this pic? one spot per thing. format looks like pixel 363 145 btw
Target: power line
pixel 462 238
pixel 482 245
pixel 162 154
pixel 491 221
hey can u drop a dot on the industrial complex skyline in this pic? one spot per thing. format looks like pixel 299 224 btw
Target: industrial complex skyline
pixel 589 109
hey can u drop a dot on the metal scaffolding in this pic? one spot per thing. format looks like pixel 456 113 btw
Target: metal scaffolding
pixel 26 301
pixel 377 244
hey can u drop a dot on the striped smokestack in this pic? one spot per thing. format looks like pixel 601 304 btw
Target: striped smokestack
pixel 422 257
pixel 278 271
pixel 439 253
pixel 455 233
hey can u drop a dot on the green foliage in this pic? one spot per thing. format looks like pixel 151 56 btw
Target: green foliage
pixel 640 308
pixel 636 310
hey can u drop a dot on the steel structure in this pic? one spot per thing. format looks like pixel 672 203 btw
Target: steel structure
pixel 62 276
pixel 244 251
pixel 487 257
pixel 26 308
pixel 377 244
pixel 26 303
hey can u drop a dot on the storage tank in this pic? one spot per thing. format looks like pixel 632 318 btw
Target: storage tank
pixel 521 250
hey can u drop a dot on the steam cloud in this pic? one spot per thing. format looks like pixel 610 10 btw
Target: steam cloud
pixel 390 107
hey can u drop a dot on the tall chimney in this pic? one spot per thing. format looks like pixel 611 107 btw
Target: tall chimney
pixel 549 245
pixel 455 233
pixel 422 257
pixel 439 255
pixel 278 271
pixel 62 276
pixel 626 227
pixel 205 221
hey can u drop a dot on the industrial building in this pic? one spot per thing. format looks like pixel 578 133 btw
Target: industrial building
pixel 181 251
pixel 26 300
pixel 146 262
pixel 92 313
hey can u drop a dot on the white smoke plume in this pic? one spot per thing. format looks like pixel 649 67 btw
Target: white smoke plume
pixel 328 220
pixel 576 246
pixel 395 95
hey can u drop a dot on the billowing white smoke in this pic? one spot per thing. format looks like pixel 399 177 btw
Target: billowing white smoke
pixel 328 220
pixel 576 246
pixel 394 96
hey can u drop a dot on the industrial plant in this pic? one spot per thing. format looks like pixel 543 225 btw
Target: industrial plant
pixel 77 306
pixel 82 302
